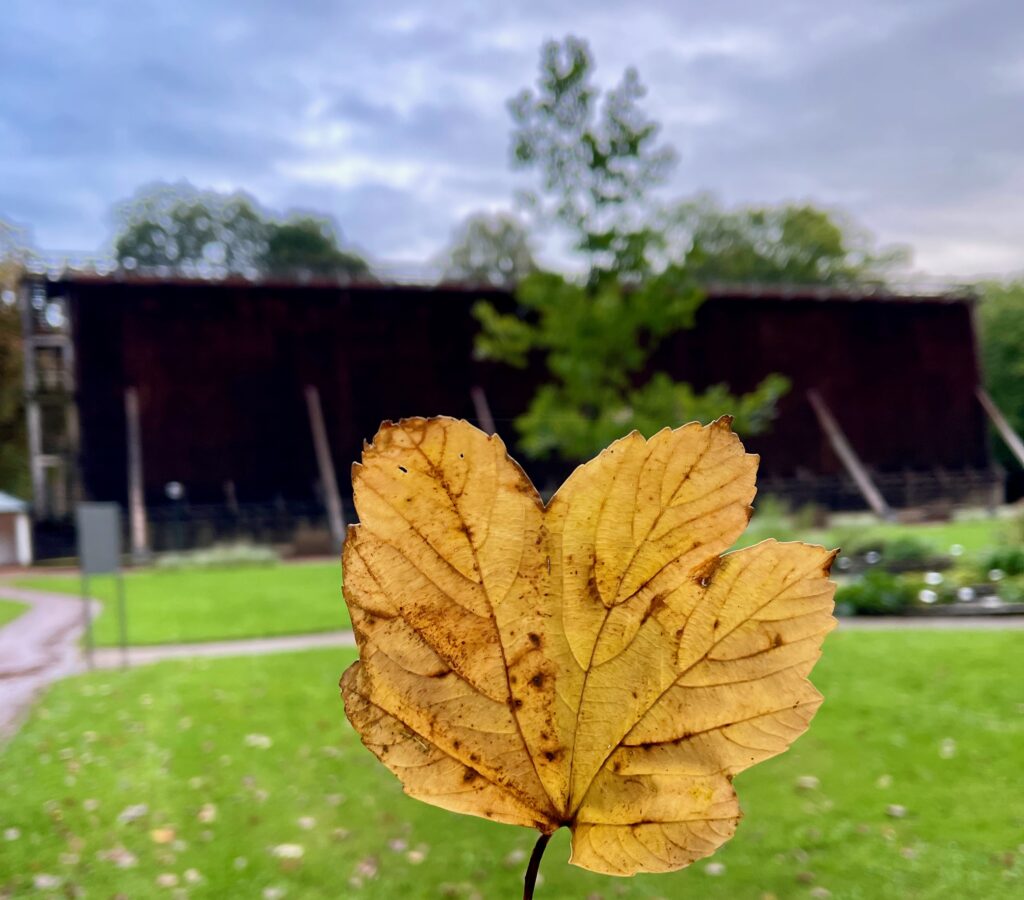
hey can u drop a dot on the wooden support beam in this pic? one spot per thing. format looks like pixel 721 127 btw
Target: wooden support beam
pixel 1003 426
pixel 483 409
pixel 335 517
pixel 848 456
pixel 137 525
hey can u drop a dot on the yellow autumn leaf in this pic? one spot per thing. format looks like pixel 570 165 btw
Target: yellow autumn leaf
pixel 596 663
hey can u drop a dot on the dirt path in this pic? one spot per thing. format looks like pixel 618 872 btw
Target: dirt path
pixel 110 657
pixel 927 623
pixel 38 647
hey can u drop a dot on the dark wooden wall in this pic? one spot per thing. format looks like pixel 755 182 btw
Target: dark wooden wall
pixel 220 371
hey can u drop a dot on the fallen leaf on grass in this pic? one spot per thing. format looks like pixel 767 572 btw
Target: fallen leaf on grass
pixel 595 663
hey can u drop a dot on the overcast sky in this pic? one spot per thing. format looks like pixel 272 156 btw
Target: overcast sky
pixel 391 116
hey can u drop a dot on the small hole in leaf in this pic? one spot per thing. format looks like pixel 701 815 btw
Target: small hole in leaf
pixel 403 469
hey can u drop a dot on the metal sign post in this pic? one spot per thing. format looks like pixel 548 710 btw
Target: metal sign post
pixel 99 553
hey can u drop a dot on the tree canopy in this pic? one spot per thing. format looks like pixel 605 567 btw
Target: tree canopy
pixel 204 233
pixel 784 244
pixel 598 162
pixel 1001 317
pixel 15 253
pixel 597 158
pixel 490 248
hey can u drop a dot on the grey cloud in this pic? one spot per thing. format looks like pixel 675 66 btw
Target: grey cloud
pixel 907 114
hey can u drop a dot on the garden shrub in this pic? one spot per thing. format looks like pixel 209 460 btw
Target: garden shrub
pixel 220 556
pixel 876 593
pixel 1009 560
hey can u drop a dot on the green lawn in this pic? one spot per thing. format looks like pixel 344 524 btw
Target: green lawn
pixel 929 721
pixel 214 604
pixel 10 610
pixel 973 535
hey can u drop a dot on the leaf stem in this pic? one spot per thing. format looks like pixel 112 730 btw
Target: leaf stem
pixel 534 866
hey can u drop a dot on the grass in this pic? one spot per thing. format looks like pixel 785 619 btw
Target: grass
pixel 213 604
pixel 931 721
pixel 973 535
pixel 10 610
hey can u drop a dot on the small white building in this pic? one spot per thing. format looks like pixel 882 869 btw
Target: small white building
pixel 15 532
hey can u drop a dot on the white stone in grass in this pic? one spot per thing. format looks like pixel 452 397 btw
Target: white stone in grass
pixel 119 856
pixel 714 868
pixel 133 812
pixel 289 851
pixel 366 868
pixel 515 857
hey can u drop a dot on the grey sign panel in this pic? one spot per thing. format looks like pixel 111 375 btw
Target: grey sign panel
pixel 99 538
